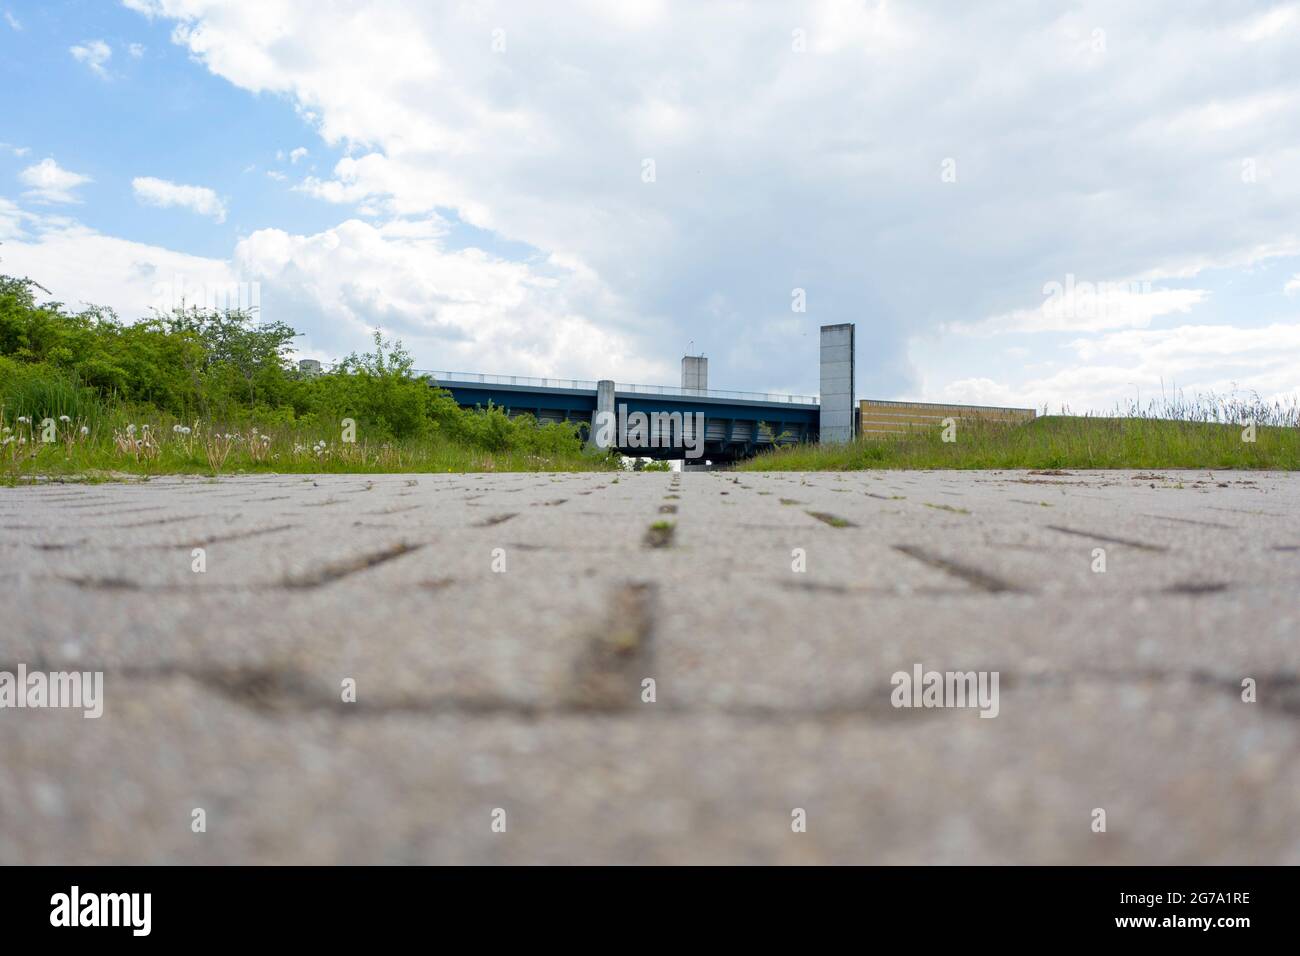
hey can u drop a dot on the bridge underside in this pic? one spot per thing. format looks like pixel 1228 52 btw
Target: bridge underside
pixel 732 429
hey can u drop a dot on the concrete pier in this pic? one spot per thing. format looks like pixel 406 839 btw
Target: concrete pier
pixel 604 424
pixel 837 383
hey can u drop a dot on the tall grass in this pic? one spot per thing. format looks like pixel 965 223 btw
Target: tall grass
pixel 401 424
pixel 1232 409
pixel 38 392
pixel 1204 432
pixel 159 445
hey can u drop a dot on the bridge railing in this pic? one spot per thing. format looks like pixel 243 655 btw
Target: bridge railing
pixel 525 380
pixel 479 378
pixel 717 393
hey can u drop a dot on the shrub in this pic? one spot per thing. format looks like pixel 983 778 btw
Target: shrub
pixel 39 391
pixel 223 367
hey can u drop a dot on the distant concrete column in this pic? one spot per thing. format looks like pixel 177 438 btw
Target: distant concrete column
pixel 604 424
pixel 837 383
pixel 695 373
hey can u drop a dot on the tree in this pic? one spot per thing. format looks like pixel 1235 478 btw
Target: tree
pixel 232 340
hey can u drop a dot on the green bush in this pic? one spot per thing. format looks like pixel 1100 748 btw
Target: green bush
pixel 378 391
pixel 38 391
pixel 224 368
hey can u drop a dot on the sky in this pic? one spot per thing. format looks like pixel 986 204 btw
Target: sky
pixel 1018 203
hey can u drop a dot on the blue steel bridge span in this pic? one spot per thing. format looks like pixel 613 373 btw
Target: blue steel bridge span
pixel 736 424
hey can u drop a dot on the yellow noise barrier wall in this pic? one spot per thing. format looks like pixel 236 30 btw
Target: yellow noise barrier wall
pixel 887 419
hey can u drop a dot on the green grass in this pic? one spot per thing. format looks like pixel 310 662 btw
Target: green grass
pixel 1055 442
pixel 206 391
pixel 660 534
pixel 110 448
pixel 105 382
pixel 833 520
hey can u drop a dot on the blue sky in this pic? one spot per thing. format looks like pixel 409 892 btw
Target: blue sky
pixel 153 114
pixel 476 179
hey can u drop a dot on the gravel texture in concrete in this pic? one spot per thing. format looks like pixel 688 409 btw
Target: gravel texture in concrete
pixel 500 632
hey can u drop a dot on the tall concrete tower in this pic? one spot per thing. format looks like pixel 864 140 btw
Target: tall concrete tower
pixel 837 383
pixel 695 373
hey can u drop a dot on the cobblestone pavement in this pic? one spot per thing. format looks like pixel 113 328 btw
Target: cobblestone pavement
pixel 512 680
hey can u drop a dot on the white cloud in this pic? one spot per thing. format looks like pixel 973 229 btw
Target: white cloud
pixel 1292 286
pixel 980 391
pixel 461 309
pixel 136 50
pixel 95 54
pixel 150 8
pixel 1188 346
pixel 1110 370
pixel 820 169
pixel 297 154
pixel 12 21
pixel 19 151
pixel 383 184
pixel 1070 306
pixel 48 182
pixel 79 265
pixel 11 219
pixel 1270 23
pixel 457 308
pixel 160 192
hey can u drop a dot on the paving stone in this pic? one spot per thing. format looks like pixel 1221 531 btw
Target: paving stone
pixel 499 628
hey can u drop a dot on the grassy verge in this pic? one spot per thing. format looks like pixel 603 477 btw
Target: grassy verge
pixel 165 447
pixel 195 391
pixel 1055 441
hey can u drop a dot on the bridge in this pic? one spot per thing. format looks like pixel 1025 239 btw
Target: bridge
pixel 697 423
pixel 735 424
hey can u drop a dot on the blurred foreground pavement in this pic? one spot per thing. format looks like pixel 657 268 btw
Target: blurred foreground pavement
pixel 499 629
